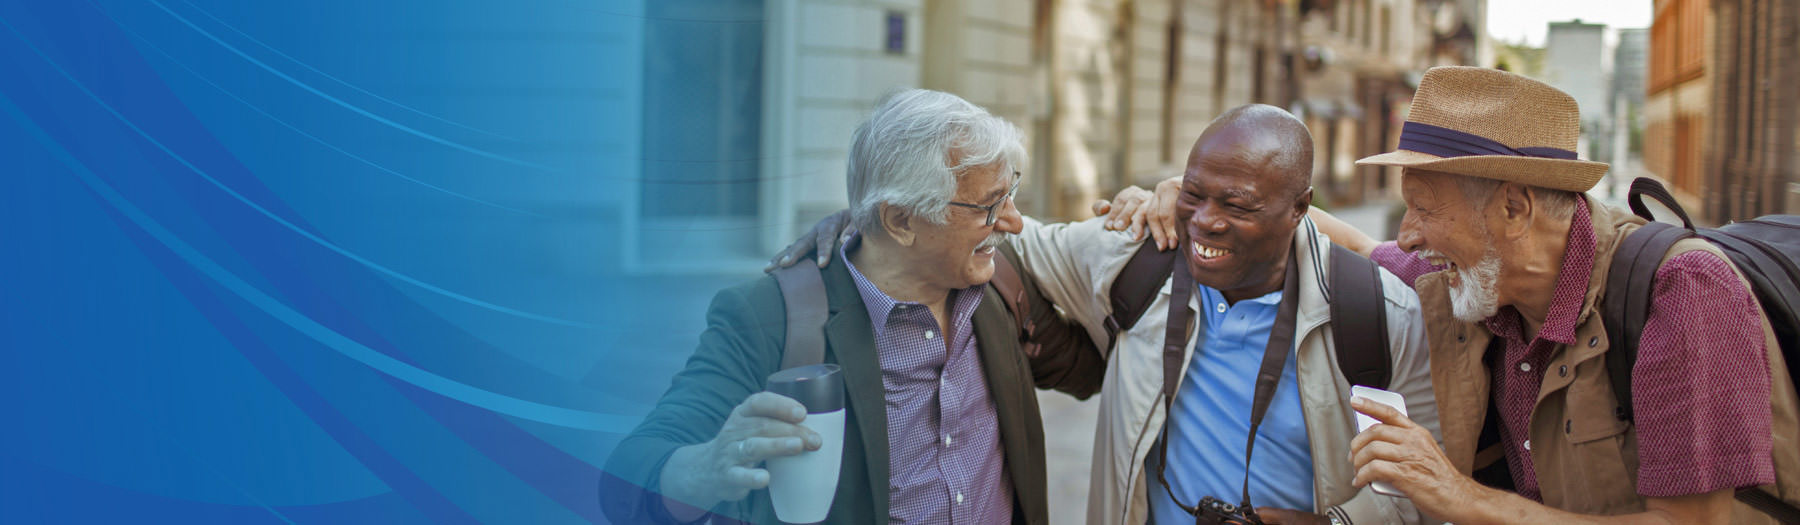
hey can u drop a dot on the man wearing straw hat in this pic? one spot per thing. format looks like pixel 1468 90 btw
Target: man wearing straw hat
pixel 1509 257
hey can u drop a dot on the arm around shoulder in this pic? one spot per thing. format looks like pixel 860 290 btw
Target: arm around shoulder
pixel 1070 260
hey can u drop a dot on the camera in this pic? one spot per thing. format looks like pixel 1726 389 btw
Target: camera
pixel 1212 511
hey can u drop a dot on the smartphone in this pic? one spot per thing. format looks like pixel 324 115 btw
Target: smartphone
pixel 1363 422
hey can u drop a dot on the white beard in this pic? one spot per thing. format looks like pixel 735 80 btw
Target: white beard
pixel 1474 297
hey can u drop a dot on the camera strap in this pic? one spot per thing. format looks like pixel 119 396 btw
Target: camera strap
pixel 1175 338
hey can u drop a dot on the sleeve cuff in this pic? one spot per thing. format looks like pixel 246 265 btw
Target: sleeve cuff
pixel 1369 508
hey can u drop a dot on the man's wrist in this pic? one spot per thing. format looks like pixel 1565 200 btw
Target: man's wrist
pixel 676 486
pixel 1475 503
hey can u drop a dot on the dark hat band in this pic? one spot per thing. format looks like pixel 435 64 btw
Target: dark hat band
pixel 1446 142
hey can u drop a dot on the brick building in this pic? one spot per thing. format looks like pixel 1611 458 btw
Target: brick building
pixel 1722 122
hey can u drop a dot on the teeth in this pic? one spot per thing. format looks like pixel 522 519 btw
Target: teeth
pixel 1209 252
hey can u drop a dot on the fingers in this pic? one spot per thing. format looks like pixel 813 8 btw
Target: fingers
pixel 1138 223
pixel 825 252
pixel 1163 232
pixel 1383 413
pixel 1115 214
pixel 783 259
pixel 1162 222
pixel 1379 470
pixel 757 449
pixel 1393 434
pixel 767 415
pixel 1121 217
pixel 772 406
pixel 1377 451
pixel 833 232
pixel 746 479
pixel 793 252
pixel 828 243
pixel 1100 207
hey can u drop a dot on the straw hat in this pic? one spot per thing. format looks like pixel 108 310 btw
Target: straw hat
pixel 1493 124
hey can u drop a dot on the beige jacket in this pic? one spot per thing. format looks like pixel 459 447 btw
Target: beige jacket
pixel 1075 264
pixel 1584 453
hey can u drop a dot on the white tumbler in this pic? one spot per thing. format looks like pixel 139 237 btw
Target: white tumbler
pixel 803 486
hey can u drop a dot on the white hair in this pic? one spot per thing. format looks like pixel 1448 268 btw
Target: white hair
pixel 901 156
pixel 1556 204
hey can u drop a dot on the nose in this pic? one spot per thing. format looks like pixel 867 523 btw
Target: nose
pixel 1207 219
pixel 1409 238
pixel 1009 220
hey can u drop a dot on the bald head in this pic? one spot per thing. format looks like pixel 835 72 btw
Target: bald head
pixel 1256 138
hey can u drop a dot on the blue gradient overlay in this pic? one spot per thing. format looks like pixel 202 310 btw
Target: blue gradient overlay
pixel 339 262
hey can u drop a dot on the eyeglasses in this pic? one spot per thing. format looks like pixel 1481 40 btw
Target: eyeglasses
pixel 993 210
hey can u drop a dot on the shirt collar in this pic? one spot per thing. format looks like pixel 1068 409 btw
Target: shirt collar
pixel 1570 293
pixel 880 305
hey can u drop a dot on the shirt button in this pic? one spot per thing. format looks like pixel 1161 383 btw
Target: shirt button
pixel 948 440
pixel 1221 307
pixel 930 334
pixel 1524 367
pixel 958 498
pixel 1562 370
pixel 1527 444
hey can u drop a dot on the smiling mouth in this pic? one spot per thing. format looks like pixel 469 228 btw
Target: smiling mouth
pixel 1208 253
pixel 1438 260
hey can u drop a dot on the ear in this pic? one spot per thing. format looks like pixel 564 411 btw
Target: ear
pixel 898 224
pixel 1518 205
pixel 1303 203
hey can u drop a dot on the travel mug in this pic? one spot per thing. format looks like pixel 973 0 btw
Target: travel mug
pixel 803 486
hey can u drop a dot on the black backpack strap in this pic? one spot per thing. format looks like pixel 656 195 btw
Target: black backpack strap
pixel 1359 319
pixel 1136 285
pixel 1769 504
pixel 1647 187
pixel 1626 306
pixel 803 295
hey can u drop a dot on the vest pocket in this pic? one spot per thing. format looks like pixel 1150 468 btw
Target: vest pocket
pixel 1597 469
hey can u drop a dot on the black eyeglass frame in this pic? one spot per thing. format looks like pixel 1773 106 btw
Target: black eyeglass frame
pixel 993 210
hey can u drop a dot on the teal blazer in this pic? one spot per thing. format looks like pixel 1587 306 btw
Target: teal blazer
pixel 742 345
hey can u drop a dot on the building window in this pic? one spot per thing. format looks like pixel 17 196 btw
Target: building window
pixel 703 83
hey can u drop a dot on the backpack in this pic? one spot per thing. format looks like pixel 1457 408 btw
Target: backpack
pixel 1061 355
pixel 1358 317
pixel 1766 250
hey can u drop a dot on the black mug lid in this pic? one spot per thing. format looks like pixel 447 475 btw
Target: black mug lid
pixel 820 388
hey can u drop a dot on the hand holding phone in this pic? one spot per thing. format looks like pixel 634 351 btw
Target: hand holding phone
pixel 1363 422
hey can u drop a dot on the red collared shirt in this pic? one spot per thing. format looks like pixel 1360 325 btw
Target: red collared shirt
pixel 1700 388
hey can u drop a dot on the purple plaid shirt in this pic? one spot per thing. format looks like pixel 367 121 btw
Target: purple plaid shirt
pixel 945 459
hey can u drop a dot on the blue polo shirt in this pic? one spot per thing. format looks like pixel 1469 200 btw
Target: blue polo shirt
pixel 1208 425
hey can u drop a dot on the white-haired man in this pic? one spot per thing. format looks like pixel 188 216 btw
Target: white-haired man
pixel 1511 265
pixel 943 425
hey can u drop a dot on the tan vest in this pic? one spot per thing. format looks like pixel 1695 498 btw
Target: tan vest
pixel 1582 449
